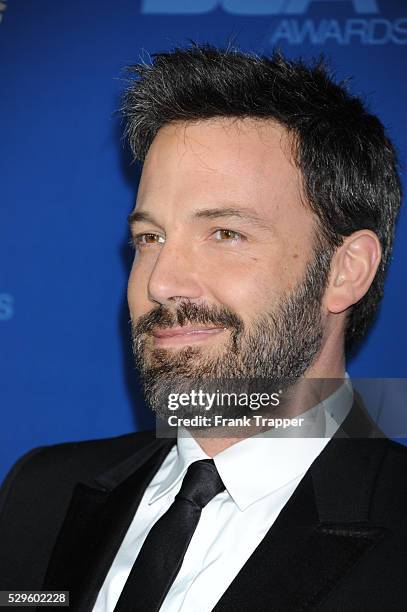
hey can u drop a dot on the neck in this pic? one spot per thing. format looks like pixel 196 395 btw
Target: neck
pixel 318 383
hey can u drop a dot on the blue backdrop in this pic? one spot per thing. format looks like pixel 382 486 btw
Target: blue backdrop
pixel 67 185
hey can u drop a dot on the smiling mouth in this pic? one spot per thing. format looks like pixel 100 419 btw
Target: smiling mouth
pixel 184 335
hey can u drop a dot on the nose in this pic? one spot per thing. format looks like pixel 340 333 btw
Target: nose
pixel 176 274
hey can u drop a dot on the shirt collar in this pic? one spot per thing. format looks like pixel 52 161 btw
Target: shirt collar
pixel 187 450
pixel 257 466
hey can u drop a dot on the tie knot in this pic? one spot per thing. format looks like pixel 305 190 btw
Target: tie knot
pixel 201 483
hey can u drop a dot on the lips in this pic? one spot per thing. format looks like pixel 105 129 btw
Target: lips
pixel 184 331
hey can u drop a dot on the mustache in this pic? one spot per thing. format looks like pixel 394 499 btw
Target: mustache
pixel 187 313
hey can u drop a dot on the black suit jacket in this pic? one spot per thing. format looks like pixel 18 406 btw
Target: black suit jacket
pixel 339 544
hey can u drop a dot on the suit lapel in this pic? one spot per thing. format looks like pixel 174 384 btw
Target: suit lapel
pixel 323 530
pixel 97 519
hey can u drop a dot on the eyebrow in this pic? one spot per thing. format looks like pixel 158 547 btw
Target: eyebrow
pixel 232 211
pixel 138 216
pixel 208 213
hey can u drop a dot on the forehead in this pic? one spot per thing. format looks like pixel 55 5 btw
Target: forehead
pixel 247 161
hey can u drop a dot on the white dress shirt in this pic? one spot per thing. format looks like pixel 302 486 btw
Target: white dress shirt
pixel 260 474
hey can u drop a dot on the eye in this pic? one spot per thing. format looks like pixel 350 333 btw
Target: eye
pixel 227 235
pixel 146 239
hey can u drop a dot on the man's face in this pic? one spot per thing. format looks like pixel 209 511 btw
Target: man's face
pixel 224 280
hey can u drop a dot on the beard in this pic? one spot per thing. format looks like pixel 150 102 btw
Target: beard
pixel 270 356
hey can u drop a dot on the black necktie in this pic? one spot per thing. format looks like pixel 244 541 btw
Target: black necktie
pixel 163 551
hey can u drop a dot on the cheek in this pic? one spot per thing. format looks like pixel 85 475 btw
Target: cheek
pixel 248 287
pixel 137 290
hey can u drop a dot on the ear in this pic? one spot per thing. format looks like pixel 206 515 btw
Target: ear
pixel 353 269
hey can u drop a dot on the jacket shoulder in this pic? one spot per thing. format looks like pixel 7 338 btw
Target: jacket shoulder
pixel 59 466
pixel 36 494
pixel 389 501
pixel 397 456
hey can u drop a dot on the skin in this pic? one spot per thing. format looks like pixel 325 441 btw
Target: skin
pixel 235 163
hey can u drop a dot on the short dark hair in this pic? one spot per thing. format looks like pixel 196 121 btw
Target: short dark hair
pixel 348 164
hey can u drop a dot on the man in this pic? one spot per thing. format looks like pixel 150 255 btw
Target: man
pixel 263 228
